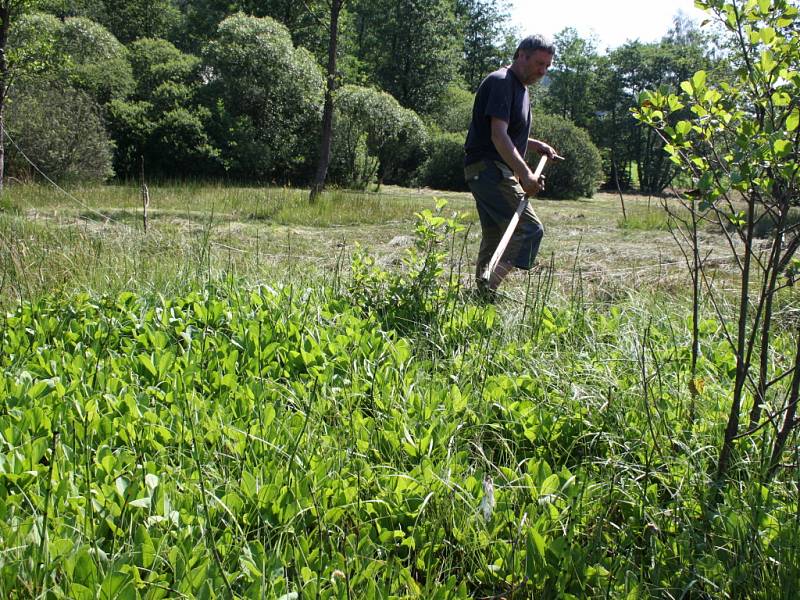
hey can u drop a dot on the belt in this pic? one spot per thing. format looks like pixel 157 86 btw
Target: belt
pixel 472 170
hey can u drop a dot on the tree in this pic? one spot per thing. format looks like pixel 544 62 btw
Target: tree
pixel 373 137
pixel 163 121
pixel 61 130
pixel 485 34
pixel 739 140
pixel 572 89
pixel 13 62
pixel 134 19
pixel 327 111
pixel 90 57
pixel 409 47
pixel 452 110
pixel 267 98
pixel 306 21
pixel 622 76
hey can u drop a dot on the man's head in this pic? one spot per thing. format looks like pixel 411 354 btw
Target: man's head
pixel 533 57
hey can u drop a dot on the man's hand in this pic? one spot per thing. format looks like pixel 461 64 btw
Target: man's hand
pixel 542 148
pixel 530 185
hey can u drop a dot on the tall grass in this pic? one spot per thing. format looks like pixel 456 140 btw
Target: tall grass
pixel 360 431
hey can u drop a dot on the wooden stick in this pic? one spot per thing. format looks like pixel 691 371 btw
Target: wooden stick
pixel 512 225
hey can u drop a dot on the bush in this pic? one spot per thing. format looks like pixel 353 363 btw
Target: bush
pixel 581 173
pixel 162 122
pixel 267 96
pixel 77 51
pixel 452 111
pixel 374 137
pixel 444 169
pixel 59 129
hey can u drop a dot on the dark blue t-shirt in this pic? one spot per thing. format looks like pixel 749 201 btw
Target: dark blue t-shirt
pixel 504 96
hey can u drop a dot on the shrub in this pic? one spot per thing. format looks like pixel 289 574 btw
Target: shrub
pixel 82 53
pixel 162 121
pixel 374 137
pixel 580 174
pixel 59 129
pixel 452 110
pixel 268 96
pixel 444 169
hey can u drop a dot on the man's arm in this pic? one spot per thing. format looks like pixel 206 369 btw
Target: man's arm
pixel 540 147
pixel 510 155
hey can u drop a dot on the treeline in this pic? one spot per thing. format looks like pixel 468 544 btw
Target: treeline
pixel 235 89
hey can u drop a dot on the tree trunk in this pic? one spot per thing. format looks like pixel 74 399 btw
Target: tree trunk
pixel 789 420
pixel 327 112
pixel 5 14
pixel 742 360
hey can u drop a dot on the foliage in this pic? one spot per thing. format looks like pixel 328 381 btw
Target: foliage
pixel 28 52
pixel 127 21
pixel 306 21
pixel 136 19
pixel 163 122
pixel 91 58
pixel 485 31
pixel 374 137
pixel 739 141
pixel 409 47
pixel 60 129
pixel 269 99
pixel 621 76
pixel 572 88
pixel 444 169
pixel 281 441
pixel 452 111
pixel 413 296
pixel 579 175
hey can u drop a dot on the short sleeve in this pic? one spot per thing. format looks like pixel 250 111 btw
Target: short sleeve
pixel 498 103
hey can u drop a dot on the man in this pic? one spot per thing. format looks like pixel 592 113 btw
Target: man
pixel 495 167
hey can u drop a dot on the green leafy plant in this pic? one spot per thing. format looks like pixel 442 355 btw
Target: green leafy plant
pixel 414 295
pixel 740 146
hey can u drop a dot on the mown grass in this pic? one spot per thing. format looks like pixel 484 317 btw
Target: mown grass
pixel 197 202
pixel 186 417
pixel 93 238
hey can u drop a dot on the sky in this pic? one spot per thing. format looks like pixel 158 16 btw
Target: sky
pixel 612 22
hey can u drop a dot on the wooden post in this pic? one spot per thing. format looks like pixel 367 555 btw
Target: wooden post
pixel 145 199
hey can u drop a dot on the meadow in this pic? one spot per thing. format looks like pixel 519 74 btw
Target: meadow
pixel 262 398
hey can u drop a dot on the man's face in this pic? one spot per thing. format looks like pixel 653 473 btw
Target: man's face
pixel 534 65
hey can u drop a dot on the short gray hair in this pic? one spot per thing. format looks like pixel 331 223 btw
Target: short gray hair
pixel 535 42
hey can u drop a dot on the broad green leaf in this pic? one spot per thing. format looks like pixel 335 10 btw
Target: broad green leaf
pixel 767 35
pixel 146 549
pixel 781 99
pixel 683 127
pixel 549 485
pixel 148 364
pixel 793 120
pixel 674 103
pixel 141 502
pixel 699 80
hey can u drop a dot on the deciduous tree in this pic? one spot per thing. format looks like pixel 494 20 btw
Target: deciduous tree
pixel 739 141
pixel 268 97
pixel 411 47
pixel 13 61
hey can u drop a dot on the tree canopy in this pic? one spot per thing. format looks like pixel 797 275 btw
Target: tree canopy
pixel 235 88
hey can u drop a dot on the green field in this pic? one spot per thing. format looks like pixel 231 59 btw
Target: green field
pixel 259 398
